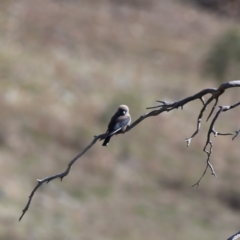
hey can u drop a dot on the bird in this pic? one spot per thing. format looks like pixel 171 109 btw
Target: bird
pixel 118 123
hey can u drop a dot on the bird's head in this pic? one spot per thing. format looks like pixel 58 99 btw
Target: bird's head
pixel 123 109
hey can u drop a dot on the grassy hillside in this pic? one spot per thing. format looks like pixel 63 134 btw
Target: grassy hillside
pixel 65 68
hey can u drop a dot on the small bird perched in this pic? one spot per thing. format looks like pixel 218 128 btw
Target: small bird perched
pixel 118 124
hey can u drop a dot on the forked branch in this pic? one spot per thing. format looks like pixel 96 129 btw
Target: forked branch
pixel 163 107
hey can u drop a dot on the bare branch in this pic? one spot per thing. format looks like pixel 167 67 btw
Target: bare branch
pixel 209 165
pixel 216 93
pixel 209 142
pixel 202 100
pixel 181 103
pixel 236 134
pixel 60 175
pixel 213 108
pixel 188 140
pixel 163 107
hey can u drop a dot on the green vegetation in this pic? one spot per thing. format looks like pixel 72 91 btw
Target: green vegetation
pixel 223 60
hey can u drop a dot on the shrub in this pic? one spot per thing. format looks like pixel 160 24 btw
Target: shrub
pixel 223 60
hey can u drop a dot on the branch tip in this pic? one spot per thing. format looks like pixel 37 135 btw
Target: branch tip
pixel 188 141
pixel 196 185
pixel 236 134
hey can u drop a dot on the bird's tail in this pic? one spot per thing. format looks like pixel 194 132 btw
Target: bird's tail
pixel 106 141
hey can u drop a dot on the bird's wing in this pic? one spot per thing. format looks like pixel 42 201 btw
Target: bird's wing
pixel 118 125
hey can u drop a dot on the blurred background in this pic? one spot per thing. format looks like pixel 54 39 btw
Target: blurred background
pixel 65 67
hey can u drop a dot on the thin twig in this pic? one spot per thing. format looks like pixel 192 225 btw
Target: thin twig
pixel 236 134
pixel 60 175
pixel 209 142
pixel 213 108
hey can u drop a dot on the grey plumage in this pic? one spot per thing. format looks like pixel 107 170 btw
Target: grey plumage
pixel 118 124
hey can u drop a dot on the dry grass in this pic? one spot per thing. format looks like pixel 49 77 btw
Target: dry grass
pixel 65 67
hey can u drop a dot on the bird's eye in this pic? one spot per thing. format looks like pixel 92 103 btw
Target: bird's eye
pixel 123 112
